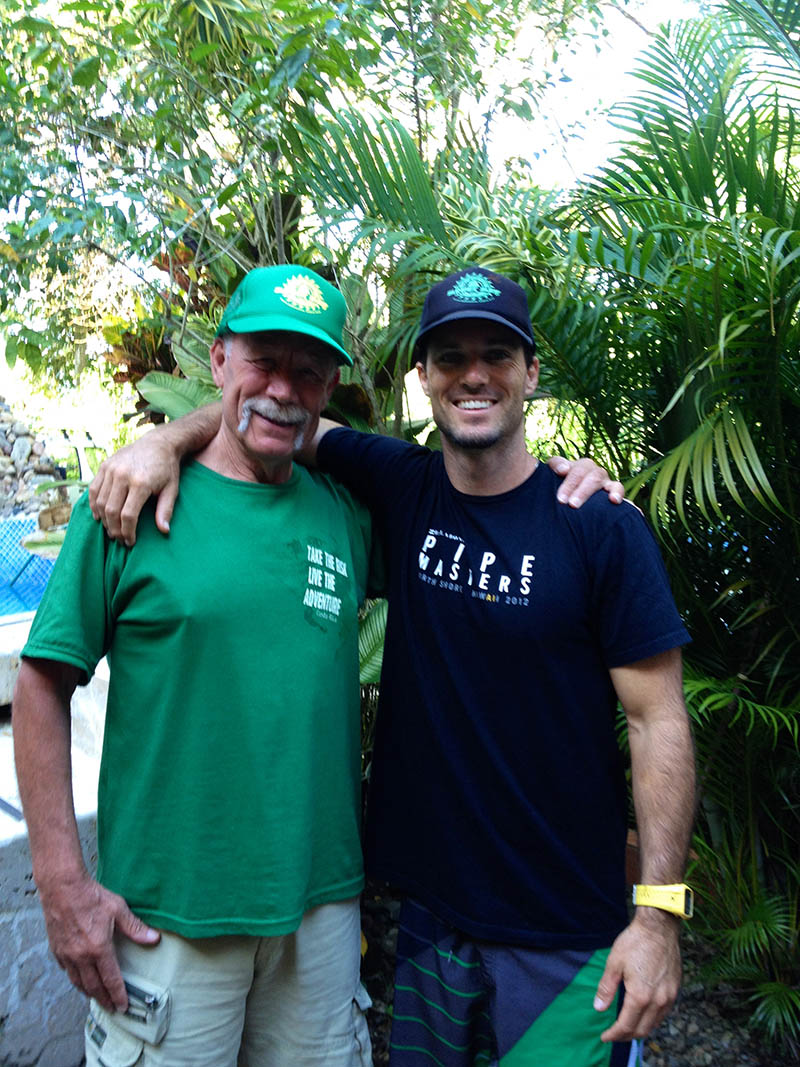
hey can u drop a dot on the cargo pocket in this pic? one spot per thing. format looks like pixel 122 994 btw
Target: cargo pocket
pixel 361 1002
pixel 107 1043
pixel 116 1039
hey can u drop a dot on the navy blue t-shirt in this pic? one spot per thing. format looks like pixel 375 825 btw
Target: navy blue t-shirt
pixel 497 794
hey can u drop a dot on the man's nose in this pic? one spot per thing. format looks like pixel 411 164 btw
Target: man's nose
pixel 475 373
pixel 281 386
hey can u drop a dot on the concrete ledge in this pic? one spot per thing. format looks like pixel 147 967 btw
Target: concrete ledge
pixel 13 635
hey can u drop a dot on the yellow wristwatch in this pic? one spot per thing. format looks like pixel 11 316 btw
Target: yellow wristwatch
pixel 679 899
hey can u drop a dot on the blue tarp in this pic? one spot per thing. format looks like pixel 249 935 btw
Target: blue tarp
pixel 23 575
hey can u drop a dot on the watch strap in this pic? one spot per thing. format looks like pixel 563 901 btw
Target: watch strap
pixel 678 898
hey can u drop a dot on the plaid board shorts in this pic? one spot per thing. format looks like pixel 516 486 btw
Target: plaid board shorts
pixel 466 1003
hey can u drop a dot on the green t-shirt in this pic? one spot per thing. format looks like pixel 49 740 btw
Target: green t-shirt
pixel 229 783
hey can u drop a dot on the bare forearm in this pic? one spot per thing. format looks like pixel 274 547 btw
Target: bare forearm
pixel 646 955
pixel 41 728
pixel 80 914
pixel 662 763
pixel 191 432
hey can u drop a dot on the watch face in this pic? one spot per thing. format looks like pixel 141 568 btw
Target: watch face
pixel 688 903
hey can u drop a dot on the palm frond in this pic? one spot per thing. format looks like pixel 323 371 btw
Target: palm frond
pixel 371 631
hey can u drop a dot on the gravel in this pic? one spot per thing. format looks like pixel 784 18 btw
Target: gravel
pixel 705 1029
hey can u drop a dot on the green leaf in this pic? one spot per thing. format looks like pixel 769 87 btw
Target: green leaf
pixel 202 51
pixel 87 72
pixel 191 355
pixel 11 350
pixel 371 631
pixel 35 25
pixel 227 193
pixel 41 224
pixel 290 69
pixel 67 229
pixel 174 396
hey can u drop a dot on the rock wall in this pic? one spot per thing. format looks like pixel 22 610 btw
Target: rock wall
pixel 24 465
pixel 41 1014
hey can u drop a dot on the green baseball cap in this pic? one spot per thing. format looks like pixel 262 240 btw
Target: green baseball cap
pixel 289 298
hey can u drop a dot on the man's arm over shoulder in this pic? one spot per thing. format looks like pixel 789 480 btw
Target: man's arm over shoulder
pixel 81 915
pixel 357 464
pixel 148 467
pixel 646 954
pixel 151 467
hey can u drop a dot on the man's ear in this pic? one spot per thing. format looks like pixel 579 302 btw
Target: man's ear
pixel 217 355
pixel 532 377
pixel 332 384
pixel 423 378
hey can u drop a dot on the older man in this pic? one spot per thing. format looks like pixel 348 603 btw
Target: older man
pixel 498 801
pixel 223 924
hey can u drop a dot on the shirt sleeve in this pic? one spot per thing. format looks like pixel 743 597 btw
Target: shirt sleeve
pixel 374 467
pixel 73 624
pixel 633 602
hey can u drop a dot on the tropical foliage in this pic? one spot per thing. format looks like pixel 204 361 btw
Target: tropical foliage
pixel 155 137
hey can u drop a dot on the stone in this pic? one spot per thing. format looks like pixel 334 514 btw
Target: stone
pixel 30 971
pixel 21 451
pixel 24 1037
pixel 57 515
pixel 8 953
pixel 66 1012
pixel 30 927
pixel 63 1052
pixel 38 448
pixel 19 429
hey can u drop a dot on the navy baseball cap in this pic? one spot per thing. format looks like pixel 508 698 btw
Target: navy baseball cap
pixel 476 293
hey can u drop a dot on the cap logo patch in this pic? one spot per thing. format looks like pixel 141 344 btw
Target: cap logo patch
pixel 303 294
pixel 473 289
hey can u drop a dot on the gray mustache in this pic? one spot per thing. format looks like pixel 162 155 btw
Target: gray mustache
pixel 283 414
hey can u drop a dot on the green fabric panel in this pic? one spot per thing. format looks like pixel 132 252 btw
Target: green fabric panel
pixel 229 797
pixel 567 1033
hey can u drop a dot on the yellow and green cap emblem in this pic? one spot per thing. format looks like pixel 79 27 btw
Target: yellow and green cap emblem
pixel 288 298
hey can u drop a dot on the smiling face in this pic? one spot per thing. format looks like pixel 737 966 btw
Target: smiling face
pixel 476 377
pixel 274 387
